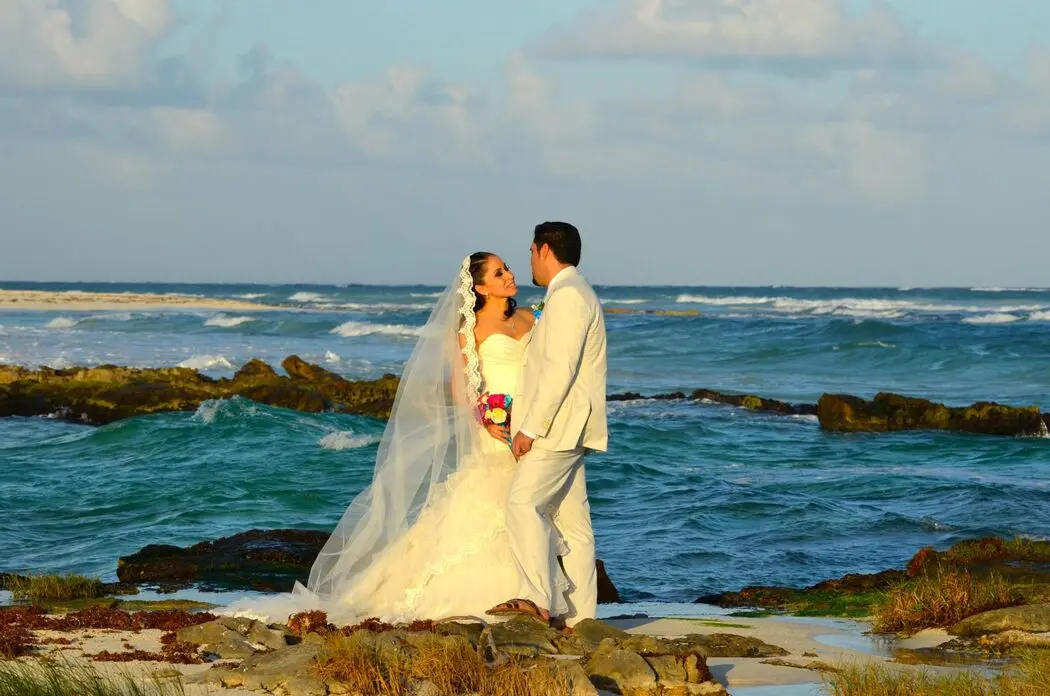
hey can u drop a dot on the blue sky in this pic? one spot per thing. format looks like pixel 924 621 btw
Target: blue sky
pixel 750 142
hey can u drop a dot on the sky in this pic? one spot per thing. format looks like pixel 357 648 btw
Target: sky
pixel 693 142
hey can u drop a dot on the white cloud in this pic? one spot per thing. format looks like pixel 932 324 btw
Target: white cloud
pixel 403 115
pixel 1030 113
pixel 62 43
pixel 534 103
pixel 885 167
pixel 190 129
pixel 749 31
pixel 969 77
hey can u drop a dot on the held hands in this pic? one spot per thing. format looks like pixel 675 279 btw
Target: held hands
pixel 521 445
pixel 500 432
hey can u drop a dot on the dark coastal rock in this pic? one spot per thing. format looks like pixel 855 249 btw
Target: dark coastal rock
pixel 654 312
pixel 1022 564
pixel 893 412
pixel 264 560
pixel 825 592
pixel 862 582
pixel 257 560
pixel 108 393
pixel 754 403
pixel 748 401
pixel 607 592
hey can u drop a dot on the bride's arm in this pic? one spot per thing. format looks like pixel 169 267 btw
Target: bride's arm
pixel 501 433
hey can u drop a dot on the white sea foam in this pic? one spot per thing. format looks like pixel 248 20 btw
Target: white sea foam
pixel 332 358
pixel 70 322
pixel 998 318
pixel 206 362
pixel 223 321
pixel 307 297
pixel 629 301
pixel 208 411
pixel 251 295
pixel 853 306
pixel 876 344
pixel 59 363
pixel 1040 316
pixel 345 440
pixel 729 301
pixel 352 329
pixel 62 323
pixel 425 294
pixel 112 316
pixel 995 289
pixel 382 307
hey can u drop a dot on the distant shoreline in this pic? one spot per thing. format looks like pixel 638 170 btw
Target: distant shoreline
pixel 74 301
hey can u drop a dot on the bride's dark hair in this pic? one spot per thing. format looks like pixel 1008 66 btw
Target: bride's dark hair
pixel 478 261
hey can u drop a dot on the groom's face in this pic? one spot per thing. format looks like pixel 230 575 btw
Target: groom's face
pixel 537 266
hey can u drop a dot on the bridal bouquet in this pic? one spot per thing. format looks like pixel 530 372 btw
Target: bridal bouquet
pixel 494 409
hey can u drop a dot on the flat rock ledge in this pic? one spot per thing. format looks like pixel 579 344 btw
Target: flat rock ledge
pixel 594 656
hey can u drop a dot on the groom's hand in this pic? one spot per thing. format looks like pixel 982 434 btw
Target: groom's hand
pixel 521 446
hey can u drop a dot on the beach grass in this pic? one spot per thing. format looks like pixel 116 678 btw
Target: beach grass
pixel 373 667
pixel 39 588
pixel 47 677
pixel 941 598
pixel 977 552
pixel 1030 676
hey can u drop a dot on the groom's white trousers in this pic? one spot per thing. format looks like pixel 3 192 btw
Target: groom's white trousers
pixel 546 481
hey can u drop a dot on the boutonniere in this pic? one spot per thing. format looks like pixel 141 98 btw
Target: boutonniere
pixel 537 309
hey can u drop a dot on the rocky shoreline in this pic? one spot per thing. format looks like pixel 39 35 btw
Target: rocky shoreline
pixel 637 654
pixel 107 393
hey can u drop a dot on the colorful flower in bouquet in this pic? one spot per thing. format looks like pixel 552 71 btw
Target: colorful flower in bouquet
pixel 494 409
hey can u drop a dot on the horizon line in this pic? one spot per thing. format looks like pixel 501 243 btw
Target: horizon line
pixel 900 288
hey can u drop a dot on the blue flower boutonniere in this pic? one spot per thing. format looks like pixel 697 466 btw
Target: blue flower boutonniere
pixel 537 310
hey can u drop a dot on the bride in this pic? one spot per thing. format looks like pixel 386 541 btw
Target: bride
pixel 427 539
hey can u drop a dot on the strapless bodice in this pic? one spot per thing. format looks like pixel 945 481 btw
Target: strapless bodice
pixel 501 357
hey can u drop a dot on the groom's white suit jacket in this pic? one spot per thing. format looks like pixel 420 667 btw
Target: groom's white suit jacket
pixel 561 393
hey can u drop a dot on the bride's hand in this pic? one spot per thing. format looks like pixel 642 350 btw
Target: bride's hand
pixel 500 432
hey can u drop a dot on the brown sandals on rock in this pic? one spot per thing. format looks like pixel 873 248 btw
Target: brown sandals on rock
pixel 524 607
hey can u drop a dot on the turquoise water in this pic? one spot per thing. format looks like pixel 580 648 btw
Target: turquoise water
pixel 691 499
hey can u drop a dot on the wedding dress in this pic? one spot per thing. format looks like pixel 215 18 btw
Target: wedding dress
pixel 455 560
pixel 427 539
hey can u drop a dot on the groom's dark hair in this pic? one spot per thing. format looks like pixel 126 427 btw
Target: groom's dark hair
pixel 562 238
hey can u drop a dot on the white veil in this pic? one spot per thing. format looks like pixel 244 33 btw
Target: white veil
pixel 433 430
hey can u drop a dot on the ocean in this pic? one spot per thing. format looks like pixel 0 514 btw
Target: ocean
pixel 691 499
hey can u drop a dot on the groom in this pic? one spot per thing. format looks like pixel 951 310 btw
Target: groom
pixel 558 416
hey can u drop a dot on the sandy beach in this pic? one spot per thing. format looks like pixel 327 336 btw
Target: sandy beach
pixel 74 301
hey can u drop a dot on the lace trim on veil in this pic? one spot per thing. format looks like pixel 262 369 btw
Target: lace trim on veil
pixel 468 324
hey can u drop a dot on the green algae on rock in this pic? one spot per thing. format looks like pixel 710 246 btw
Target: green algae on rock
pixel 893 412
